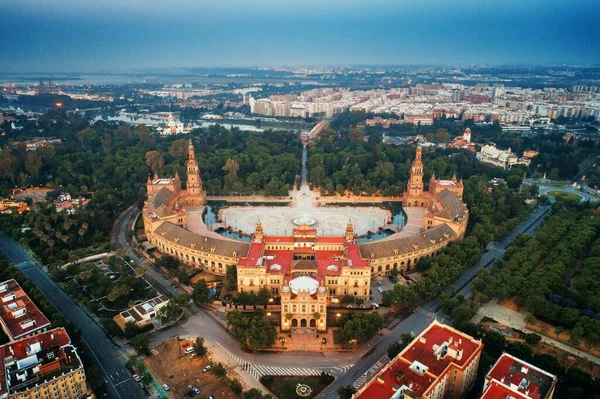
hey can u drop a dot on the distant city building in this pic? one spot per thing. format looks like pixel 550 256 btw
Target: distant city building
pixel 385 123
pixel 463 141
pixel 141 314
pixel 514 378
pixel 19 316
pixel 441 362
pixel 8 206
pixel 173 127
pixel 504 159
pixel 530 154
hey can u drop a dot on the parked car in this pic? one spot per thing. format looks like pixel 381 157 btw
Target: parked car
pixel 207 368
pixel 136 378
pixel 188 350
pixel 165 387
pixel 192 355
pixel 141 384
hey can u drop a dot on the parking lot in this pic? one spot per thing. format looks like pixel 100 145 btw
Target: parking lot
pixel 379 285
pixel 170 365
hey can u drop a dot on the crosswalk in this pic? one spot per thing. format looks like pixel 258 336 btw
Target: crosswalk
pixel 360 381
pixel 257 371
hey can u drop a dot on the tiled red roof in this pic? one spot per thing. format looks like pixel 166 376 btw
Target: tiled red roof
pixel 19 316
pixel 395 377
pixel 422 349
pixel 421 353
pixel 22 349
pixel 521 376
pixel 496 390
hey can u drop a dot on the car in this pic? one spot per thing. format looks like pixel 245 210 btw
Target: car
pixel 141 384
pixel 165 387
pixel 191 393
pixel 207 368
pixel 136 377
pixel 192 355
pixel 188 350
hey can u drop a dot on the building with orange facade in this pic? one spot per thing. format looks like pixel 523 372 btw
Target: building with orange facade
pixel 440 363
pixel 305 269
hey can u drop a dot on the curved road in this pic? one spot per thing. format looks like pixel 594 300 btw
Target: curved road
pixel 109 359
pixel 366 361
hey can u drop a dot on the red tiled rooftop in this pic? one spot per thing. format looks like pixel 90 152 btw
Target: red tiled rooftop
pixel 393 378
pixel 400 373
pixel 422 349
pixel 496 390
pixel 18 350
pixel 512 371
pixel 354 255
pixel 254 253
pixel 18 314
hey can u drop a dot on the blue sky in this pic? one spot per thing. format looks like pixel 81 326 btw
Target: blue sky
pixel 121 35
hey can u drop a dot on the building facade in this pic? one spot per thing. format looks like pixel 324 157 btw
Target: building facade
pixel 441 363
pixel 306 270
pixel 43 366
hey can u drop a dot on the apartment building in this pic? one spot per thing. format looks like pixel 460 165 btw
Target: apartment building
pixel 440 363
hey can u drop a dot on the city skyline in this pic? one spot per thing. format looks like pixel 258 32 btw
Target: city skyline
pixel 103 36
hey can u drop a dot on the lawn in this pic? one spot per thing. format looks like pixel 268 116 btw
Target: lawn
pixel 285 387
pixel 564 195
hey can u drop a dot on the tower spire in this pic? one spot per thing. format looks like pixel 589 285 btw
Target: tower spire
pixel 191 153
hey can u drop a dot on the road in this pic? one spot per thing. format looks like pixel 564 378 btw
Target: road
pixel 108 357
pixel 369 357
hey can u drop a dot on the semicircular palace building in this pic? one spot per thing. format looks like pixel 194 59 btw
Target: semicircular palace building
pixel 305 269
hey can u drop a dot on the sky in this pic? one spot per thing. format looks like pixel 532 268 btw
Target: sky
pixel 132 35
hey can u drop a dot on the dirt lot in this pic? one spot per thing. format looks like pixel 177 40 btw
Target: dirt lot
pixel 181 372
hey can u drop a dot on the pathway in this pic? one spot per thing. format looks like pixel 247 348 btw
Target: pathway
pixel 516 320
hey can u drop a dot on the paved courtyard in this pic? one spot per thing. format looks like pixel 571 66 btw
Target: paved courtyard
pixel 327 220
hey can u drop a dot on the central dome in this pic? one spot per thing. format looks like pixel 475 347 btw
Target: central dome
pixel 304 283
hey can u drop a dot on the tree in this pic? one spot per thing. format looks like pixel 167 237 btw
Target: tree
pixel 179 148
pixel 155 161
pixel 394 349
pixel 236 386
pixel 254 331
pixel 360 326
pixel 199 348
pixel 346 392
pixel 219 370
pixel 231 167
pixel 171 311
pixel 33 163
pixel 9 165
pixel 230 279
pixel 348 300
pixel 533 338
pixel 201 293
pixel 141 344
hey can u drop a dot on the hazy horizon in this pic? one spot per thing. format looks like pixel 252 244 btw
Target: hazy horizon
pixel 110 36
